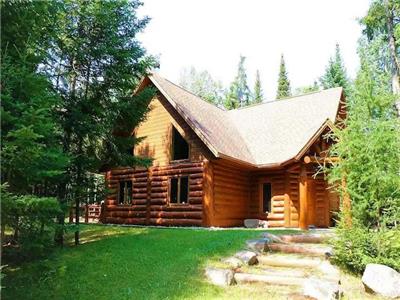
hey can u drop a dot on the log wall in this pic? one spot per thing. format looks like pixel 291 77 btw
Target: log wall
pixel 231 194
pixel 156 131
pixel 150 196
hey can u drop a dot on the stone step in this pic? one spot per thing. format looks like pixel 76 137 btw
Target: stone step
pixel 269 279
pixel 314 250
pixel 306 238
pixel 289 261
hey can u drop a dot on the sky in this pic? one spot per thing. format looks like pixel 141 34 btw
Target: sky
pixel 211 35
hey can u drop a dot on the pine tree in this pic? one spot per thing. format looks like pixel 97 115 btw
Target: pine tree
pixel 283 81
pixel 239 92
pixel 96 61
pixel 258 92
pixel 335 73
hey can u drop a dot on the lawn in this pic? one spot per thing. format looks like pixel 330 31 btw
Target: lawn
pixel 130 263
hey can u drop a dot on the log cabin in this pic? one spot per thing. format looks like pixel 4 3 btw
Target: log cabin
pixel 216 167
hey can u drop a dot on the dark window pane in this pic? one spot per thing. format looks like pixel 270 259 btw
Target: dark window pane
pixel 173 196
pixel 184 190
pixel 267 194
pixel 128 190
pixel 180 148
pixel 121 192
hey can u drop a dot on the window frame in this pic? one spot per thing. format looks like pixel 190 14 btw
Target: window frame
pixel 171 156
pixel 178 203
pixel 119 193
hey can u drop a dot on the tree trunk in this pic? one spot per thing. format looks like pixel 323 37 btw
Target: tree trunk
pixel 393 50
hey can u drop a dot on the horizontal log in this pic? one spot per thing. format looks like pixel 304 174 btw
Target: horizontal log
pixel 175 222
pixel 176 214
pixel 195 194
pixel 127 214
pixel 275 216
pixel 122 171
pixel 196 181
pixel 195 200
pixel 139 196
pixel 178 171
pixel 196 175
pixel 157 189
pixel 157 201
pixel 276 223
pixel 176 207
pixel 139 190
pixel 125 207
pixel 159 178
pixel 298 249
pixel 177 166
pixel 288 262
pixel 278 210
pixel 278 198
pixel 159 195
pixel 133 221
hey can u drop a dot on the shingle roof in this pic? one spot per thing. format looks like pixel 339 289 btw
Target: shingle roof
pixel 265 134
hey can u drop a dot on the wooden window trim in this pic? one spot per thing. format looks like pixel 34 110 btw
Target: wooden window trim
pixel 179 190
pixel 171 147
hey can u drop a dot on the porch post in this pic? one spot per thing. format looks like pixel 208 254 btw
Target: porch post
pixel 303 197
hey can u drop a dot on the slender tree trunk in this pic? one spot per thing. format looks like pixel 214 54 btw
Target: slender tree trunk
pixel 393 50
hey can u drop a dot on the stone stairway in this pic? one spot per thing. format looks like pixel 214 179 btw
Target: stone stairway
pixel 300 260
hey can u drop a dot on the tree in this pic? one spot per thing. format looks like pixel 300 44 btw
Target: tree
pixel 307 89
pixel 238 94
pixel 258 92
pixel 283 81
pixel 368 144
pixel 31 152
pixel 383 22
pixel 94 64
pixel 335 73
pixel 202 84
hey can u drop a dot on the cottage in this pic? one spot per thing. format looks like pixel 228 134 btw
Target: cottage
pixel 213 167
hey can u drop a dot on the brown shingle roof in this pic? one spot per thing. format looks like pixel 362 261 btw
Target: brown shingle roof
pixel 265 134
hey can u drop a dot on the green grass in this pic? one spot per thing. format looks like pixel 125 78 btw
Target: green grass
pixel 130 263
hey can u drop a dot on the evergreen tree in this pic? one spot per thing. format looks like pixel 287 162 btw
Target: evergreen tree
pixel 32 158
pixel 335 73
pixel 307 89
pixel 95 62
pixel 202 84
pixel 239 93
pixel 283 81
pixel 258 92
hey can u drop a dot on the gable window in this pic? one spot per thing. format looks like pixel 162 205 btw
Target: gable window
pixel 267 195
pixel 125 192
pixel 179 190
pixel 180 148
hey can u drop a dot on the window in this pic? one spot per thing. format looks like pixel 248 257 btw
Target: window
pixel 179 190
pixel 180 148
pixel 125 192
pixel 267 194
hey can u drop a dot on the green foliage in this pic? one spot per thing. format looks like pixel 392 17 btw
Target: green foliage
pixel 283 81
pixel 335 73
pixel 358 246
pixel 31 219
pixel 258 92
pixel 31 153
pixel 368 144
pixel 202 84
pixel 307 89
pixel 238 94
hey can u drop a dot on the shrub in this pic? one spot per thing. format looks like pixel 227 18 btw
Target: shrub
pixel 32 221
pixel 358 246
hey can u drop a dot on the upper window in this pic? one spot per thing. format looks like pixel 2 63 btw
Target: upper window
pixel 180 148
pixel 179 190
pixel 125 192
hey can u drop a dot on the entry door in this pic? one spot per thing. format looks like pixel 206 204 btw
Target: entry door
pixel 311 207
pixel 266 197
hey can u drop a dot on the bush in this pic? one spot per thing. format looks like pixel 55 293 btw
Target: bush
pixel 32 221
pixel 357 246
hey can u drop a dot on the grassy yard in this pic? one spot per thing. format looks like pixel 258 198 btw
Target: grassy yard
pixel 130 263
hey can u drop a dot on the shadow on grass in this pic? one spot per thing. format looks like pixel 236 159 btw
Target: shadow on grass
pixel 130 263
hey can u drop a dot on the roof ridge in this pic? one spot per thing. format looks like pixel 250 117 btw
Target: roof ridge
pixel 283 99
pixel 186 90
